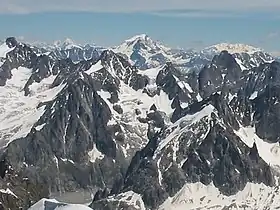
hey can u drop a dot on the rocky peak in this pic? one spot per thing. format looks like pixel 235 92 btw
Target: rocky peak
pixel 144 52
pixel 143 39
pixel 11 42
pixel 67 44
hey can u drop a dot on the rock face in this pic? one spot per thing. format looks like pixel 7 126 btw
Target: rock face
pixel 131 137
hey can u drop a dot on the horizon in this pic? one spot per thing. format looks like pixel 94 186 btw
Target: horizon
pixel 69 39
pixel 178 24
pixel 59 42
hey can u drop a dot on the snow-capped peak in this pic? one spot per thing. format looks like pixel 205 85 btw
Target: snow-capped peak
pixel 68 41
pixel 138 37
pixel 142 47
pixel 66 44
pixel 232 48
pixel 145 40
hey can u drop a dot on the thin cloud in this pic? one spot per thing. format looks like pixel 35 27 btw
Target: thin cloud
pixel 273 35
pixel 276 53
pixel 37 6
pixel 197 14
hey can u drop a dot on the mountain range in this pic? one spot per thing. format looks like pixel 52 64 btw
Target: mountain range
pixel 144 53
pixel 138 126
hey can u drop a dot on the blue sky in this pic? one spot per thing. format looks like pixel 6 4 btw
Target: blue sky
pixel 184 27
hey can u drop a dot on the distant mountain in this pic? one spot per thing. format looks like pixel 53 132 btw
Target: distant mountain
pixel 68 49
pixel 145 53
pixel 232 48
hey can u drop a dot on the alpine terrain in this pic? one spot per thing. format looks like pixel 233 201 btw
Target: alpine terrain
pixel 139 126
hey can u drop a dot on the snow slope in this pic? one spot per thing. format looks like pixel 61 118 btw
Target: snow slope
pixel 18 113
pixel 197 196
pixel 152 53
pixel 73 207
pixel 130 198
pixel 131 100
pixel 269 152
pixel 4 49
pixel 152 72
pixel 44 203
pixel 188 120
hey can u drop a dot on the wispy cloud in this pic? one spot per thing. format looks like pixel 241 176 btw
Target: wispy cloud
pixel 273 35
pixel 197 13
pixel 32 6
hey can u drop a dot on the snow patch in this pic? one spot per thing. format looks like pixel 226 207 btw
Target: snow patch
pixel 19 113
pixel 254 95
pixel 96 67
pixel 95 154
pixel 159 172
pixel 40 127
pixel 67 160
pixel 230 96
pixel 239 62
pixel 73 207
pixel 41 205
pixel 199 98
pixel 188 120
pixel 8 191
pixel 151 73
pixel 132 199
pixel 269 152
pixel 183 85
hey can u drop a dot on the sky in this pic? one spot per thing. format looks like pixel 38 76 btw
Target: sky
pixel 177 23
